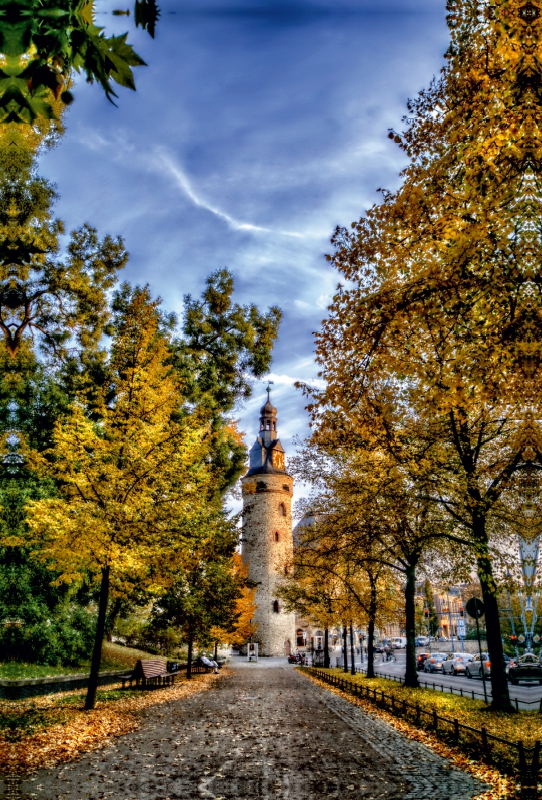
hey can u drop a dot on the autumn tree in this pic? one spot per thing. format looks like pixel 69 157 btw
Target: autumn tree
pixel 332 582
pixel 129 482
pixel 237 626
pixel 375 515
pixel 441 317
pixel 205 591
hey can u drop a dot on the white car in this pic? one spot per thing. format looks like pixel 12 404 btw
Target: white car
pixel 456 663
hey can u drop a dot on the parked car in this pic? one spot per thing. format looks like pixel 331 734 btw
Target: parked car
pixel 422 641
pixel 475 666
pixel 434 662
pixel 528 669
pixel 398 642
pixel 443 639
pixel 456 663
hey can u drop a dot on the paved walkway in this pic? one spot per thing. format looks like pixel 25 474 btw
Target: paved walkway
pixel 263 731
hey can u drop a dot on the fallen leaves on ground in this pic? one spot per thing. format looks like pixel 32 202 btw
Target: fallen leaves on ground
pixel 43 732
pixel 502 786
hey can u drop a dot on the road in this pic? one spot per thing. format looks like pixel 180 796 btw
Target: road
pixel 261 731
pixel 528 697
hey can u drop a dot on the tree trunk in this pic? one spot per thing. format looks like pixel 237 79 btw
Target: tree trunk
pixel 411 673
pixel 499 683
pixel 326 648
pixel 352 659
pixel 90 700
pixel 345 651
pixel 189 659
pixel 371 630
pixel 216 650
pixel 111 618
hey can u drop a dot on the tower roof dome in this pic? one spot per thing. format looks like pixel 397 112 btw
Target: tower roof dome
pixel 267 454
pixel 268 409
pixel 268 415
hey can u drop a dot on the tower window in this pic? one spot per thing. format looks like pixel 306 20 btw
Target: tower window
pixel 282 509
pixel 267 426
pixel 260 486
pixel 277 537
pixel 285 487
pixel 276 608
pixel 274 426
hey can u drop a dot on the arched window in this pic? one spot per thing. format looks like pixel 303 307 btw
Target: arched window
pixel 299 638
pixel 276 608
pixel 267 426
pixel 282 509
pixel 277 537
pixel 274 426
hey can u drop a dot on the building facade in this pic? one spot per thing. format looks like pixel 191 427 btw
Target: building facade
pixel 267 543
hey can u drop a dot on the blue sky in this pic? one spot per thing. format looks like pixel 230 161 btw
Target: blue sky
pixel 256 128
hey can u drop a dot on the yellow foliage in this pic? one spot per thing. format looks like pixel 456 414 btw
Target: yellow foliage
pixel 245 607
pixel 130 475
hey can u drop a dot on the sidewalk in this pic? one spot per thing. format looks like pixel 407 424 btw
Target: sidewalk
pixel 262 731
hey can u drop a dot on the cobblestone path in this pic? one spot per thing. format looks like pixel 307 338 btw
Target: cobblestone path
pixel 260 732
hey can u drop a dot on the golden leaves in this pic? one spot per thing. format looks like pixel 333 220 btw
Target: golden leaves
pixel 80 731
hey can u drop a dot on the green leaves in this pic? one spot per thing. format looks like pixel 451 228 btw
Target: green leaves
pixel 43 42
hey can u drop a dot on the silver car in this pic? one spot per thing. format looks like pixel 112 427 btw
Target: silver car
pixel 479 662
pixel 456 663
pixel 434 662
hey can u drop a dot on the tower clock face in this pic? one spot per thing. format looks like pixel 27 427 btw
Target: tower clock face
pixel 278 459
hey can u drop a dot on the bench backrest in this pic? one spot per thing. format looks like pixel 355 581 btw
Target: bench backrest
pixel 150 668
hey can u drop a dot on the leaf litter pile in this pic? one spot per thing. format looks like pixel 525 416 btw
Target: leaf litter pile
pixel 502 786
pixel 42 732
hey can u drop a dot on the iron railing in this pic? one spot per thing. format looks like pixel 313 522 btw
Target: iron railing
pixel 460 691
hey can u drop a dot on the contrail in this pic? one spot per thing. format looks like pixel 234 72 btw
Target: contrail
pixel 182 180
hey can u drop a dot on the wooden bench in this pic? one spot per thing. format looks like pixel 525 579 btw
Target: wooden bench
pixel 150 674
pixel 198 667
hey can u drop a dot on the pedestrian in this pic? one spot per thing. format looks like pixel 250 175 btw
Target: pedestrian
pixel 209 663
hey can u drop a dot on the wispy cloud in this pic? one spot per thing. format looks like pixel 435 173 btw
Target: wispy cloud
pixel 168 165
pixel 288 380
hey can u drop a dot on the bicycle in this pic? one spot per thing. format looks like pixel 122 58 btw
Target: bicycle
pixel 391 657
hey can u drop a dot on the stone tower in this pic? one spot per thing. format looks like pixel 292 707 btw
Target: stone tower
pixel 267 534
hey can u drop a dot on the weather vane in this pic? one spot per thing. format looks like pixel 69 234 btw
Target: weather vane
pixel 268 390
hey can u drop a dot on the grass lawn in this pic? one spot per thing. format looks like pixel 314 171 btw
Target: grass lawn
pixel 114 657
pixel 522 725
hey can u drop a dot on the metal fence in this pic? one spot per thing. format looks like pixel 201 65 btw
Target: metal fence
pixel 512 758
pixel 460 691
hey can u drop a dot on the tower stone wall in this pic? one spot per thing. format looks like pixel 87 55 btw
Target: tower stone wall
pixel 267 541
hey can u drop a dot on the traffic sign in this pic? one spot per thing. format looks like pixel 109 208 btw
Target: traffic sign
pixel 461 627
pixel 475 608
